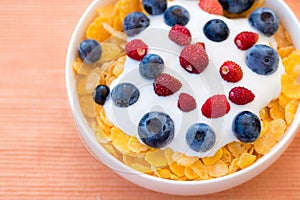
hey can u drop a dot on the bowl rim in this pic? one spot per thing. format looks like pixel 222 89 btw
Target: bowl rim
pixel 269 158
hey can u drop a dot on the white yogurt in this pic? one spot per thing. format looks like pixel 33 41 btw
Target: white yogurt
pixel 200 86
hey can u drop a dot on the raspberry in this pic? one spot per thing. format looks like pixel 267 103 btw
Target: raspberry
pixel 193 58
pixel 215 106
pixel 136 49
pixel 241 95
pixel 180 35
pixel 245 40
pixel 231 72
pixel 186 102
pixel 211 6
pixel 202 44
pixel 165 85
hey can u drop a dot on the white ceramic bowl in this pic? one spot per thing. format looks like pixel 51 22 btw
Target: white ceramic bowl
pixel 162 185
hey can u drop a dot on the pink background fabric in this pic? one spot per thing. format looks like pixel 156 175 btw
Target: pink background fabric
pixel 41 155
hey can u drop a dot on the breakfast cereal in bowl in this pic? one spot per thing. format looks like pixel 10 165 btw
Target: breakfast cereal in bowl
pixel 185 93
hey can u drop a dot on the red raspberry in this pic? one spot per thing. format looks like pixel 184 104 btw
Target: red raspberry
pixel 193 58
pixel 245 40
pixel 180 35
pixel 186 102
pixel 241 95
pixel 202 44
pixel 215 106
pixel 211 6
pixel 136 49
pixel 165 85
pixel 231 72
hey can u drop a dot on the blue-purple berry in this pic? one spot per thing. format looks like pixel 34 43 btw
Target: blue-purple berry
pixel 156 129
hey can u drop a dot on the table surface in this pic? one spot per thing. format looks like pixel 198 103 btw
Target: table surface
pixel 41 155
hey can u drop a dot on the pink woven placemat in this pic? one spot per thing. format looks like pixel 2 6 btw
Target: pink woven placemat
pixel 41 155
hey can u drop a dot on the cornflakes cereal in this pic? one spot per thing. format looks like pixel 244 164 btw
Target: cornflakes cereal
pixel 135 146
pixel 264 114
pixel 137 163
pixel 189 173
pixel 290 110
pixel 103 117
pixel 238 148
pixel 106 130
pixel 92 80
pixel 109 68
pixel 277 128
pixel 85 103
pixel 282 38
pixel 200 170
pixel 233 167
pixel 156 158
pixel 184 178
pixel 99 133
pixel 275 118
pixel 105 10
pixel 283 100
pixel 212 160
pixel 264 144
pixel 109 148
pixel 290 86
pixel 98 108
pixel 76 65
pixel 251 150
pixel 109 52
pixel 290 63
pixel 169 154
pixel 96 30
pixel 117 24
pixel 141 168
pixel 226 156
pixel 178 170
pixel 264 128
pixel 85 69
pixel 246 160
pixel 184 160
pixel 120 42
pixel 114 32
pixel 276 111
pixel 164 173
pixel 129 6
pixel 218 169
pixel 115 18
pixel 285 51
pixel 120 140
pixel 118 69
pixel 174 177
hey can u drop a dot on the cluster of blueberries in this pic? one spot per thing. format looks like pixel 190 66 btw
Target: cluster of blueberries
pixel 156 129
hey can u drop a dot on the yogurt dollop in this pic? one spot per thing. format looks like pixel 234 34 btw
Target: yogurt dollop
pixel 200 86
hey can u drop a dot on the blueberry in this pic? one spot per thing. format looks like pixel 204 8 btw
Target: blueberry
pixel 100 94
pixel 176 15
pixel 89 51
pixel 135 22
pixel 200 137
pixel 155 7
pixel 264 20
pixel 236 6
pixel 262 59
pixel 125 94
pixel 156 129
pixel 216 30
pixel 151 66
pixel 246 127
